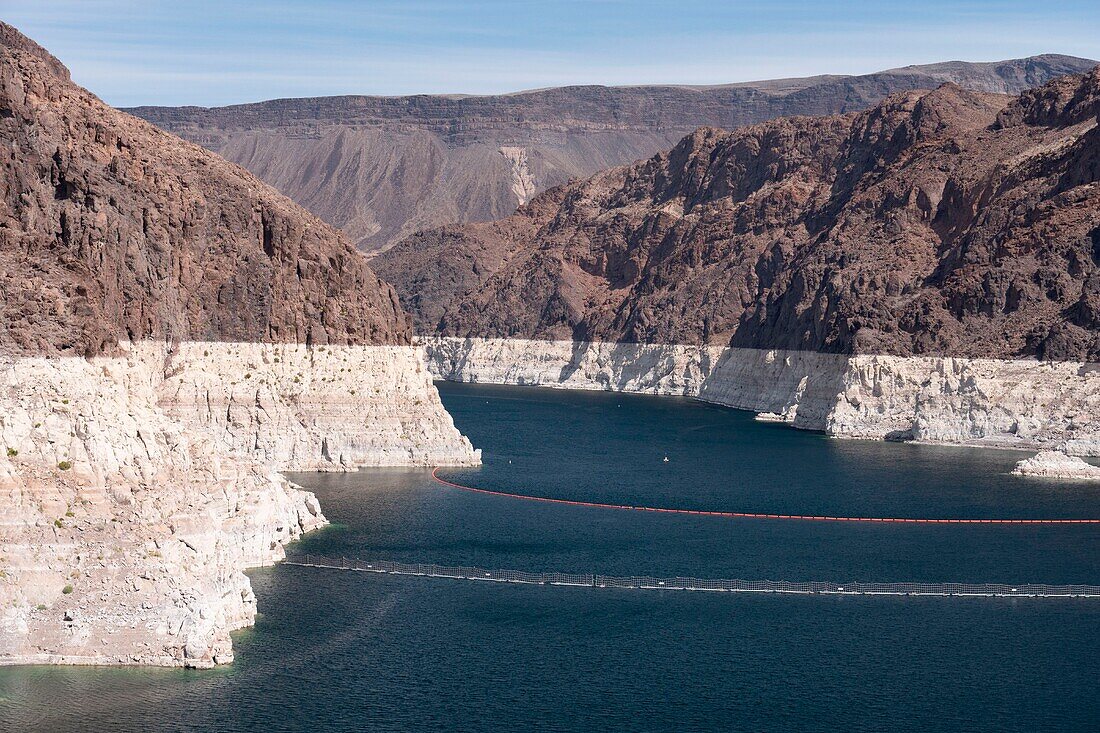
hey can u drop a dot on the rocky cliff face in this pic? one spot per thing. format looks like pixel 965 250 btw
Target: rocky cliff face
pixel 943 223
pixel 382 168
pixel 124 532
pixel 173 334
pixel 113 229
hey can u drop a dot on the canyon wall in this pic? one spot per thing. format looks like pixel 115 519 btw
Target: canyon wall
pixel 928 269
pixel 1002 403
pixel 173 333
pixel 315 408
pixel 944 223
pixel 136 488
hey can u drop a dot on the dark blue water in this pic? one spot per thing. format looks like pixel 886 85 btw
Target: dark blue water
pixel 347 651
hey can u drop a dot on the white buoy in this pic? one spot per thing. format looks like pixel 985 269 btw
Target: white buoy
pixel 666 459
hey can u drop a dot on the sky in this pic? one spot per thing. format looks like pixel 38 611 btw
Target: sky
pixel 206 52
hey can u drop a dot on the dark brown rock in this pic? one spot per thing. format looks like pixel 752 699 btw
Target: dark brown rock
pixel 948 222
pixel 113 229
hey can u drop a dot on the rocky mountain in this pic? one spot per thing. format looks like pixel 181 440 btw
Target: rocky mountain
pixel 111 229
pixel 382 168
pixel 950 222
pixel 173 334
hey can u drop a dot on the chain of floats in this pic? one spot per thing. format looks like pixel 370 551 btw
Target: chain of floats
pixel 645 582
pixel 1031 590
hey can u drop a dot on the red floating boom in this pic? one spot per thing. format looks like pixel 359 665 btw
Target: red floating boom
pixel 751 515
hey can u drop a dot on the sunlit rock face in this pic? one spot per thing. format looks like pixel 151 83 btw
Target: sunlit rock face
pixel 125 532
pixel 944 223
pixel 317 408
pixel 128 513
pixel 925 270
pixel 1057 465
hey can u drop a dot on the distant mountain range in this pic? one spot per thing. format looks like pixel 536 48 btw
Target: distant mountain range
pixel 382 168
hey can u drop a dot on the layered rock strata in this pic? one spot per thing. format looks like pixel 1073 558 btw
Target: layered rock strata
pixel 999 403
pixel 136 488
pixel 125 533
pixel 319 408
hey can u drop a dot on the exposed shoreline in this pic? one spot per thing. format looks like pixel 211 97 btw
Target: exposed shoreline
pixel 173 486
pixel 986 403
pixel 137 488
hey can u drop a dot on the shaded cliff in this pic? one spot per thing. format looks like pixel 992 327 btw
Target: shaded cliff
pixel 381 168
pixel 948 222
pixel 111 229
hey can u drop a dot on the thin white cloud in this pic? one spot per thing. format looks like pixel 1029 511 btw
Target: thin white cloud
pixel 207 52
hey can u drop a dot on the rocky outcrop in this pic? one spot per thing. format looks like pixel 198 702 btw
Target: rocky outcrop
pixel 136 488
pixel 124 532
pixel 996 403
pixel 1057 465
pixel 173 334
pixel 319 408
pixel 948 223
pixel 382 168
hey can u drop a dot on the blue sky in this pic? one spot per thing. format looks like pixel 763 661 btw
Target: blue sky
pixel 204 52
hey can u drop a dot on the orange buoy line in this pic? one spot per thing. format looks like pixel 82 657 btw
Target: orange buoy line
pixel 753 515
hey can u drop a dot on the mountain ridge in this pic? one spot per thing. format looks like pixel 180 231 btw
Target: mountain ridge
pixel 381 168
pixel 947 223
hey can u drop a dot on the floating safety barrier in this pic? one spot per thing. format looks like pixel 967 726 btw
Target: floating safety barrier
pixel 753 515
pixel 645 582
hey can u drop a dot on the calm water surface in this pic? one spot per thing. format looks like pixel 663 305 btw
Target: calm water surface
pixel 336 651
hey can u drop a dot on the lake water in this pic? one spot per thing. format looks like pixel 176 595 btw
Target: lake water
pixel 341 651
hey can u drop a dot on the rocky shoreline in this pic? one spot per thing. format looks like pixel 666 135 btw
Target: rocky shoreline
pixel 138 487
pixel 999 403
